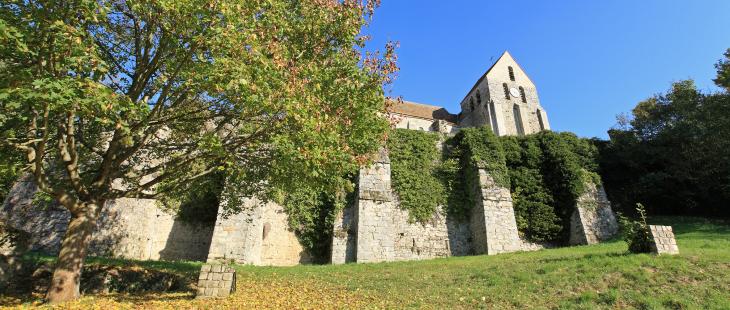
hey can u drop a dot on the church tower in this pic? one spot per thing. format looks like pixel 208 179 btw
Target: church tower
pixel 505 99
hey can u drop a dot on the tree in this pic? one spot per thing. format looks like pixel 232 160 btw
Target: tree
pixel 723 71
pixel 142 99
pixel 673 156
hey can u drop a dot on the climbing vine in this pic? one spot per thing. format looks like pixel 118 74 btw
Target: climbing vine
pixel 548 172
pixel 415 162
pixel 311 215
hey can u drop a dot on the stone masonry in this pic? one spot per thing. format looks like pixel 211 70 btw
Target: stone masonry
pixel 664 242
pixel 493 223
pixel 259 235
pixel 216 281
pixel 592 220
pixel 127 228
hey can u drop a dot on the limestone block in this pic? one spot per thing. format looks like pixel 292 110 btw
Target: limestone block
pixel 592 220
pixel 222 283
pixel 664 242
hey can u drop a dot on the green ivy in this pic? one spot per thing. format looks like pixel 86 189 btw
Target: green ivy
pixel 548 172
pixel 426 177
pixel 415 163
pixel 311 215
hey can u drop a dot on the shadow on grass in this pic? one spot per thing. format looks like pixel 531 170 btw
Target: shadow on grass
pixel 584 257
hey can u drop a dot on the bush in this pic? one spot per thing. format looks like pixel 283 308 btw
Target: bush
pixel 636 232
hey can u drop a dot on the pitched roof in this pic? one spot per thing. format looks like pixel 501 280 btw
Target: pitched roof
pixel 506 53
pixel 424 111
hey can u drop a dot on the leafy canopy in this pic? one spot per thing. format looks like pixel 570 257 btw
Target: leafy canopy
pixel 111 99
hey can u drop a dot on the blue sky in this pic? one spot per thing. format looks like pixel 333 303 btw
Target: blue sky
pixel 590 60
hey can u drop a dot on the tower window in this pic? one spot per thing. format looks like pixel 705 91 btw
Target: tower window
pixel 479 98
pixel 522 94
pixel 518 120
pixel 511 73
pixel 506 91
pixel 471 104
pixel 539 119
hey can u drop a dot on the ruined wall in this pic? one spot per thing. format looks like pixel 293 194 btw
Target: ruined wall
pixel 375 229
pixel 593 220
pixel 493 223
pixel 344 236
pixel 259 235
pixel 127 228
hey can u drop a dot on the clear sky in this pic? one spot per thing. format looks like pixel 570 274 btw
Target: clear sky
pixel 590 60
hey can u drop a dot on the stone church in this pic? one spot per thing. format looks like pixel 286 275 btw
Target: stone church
pixel 503 98
pixel 372 229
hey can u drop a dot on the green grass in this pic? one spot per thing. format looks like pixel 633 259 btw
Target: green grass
pixel 584 277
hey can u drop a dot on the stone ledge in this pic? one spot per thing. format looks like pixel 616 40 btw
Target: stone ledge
pixel 216 280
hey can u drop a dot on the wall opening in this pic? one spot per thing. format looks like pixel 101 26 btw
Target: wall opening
pixel 518 120
pixel 539 119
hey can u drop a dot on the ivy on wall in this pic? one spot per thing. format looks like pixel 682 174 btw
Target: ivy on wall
pixel 548 172
pixel 426 177
pixel 415 173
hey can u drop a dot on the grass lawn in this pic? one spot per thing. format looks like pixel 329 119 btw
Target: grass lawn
pixel 585 277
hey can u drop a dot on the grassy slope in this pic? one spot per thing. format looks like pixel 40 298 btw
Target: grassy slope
pixel 600 276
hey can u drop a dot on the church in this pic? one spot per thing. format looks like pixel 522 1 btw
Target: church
pixel 373 228
pixel 503 98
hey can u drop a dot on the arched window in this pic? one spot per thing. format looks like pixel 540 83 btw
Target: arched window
pixel 539 119
pixel 518 120
pixel 471 104
pixel 479 98
pixel 493 113
pixel 522 94
pixel 506 91
pixel 511 73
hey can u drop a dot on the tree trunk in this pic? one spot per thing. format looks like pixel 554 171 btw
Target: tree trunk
pixel 67 275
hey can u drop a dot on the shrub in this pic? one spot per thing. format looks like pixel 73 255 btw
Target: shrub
pixel 636 232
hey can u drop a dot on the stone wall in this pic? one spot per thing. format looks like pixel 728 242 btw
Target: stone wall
pixel 375 229
pixel 259 235
pixel 344 236
pixel 493 223
pixel 592 220
pixel 663 240
pixel 127 228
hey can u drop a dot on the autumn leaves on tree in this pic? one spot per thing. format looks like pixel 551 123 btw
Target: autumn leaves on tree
pixel 110 99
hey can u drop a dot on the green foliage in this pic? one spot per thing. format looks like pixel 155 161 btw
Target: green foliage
pixel 198 204
pixel 482 149
pixel 415 162
pixel 636 233
pixel 311 214
pixel 10 170
pixel 671 154
pixel 548 172
pixel 723 71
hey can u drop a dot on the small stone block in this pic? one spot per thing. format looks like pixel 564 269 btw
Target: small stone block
pixel 205 268
pixel 216 276
pixel 227 276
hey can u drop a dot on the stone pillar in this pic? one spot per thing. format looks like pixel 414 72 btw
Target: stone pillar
pixel 375 238
pixel 238 237
pixel 344 236
pixel 592 220
pixel 493 224
pixel 216 281
pixel 664 242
